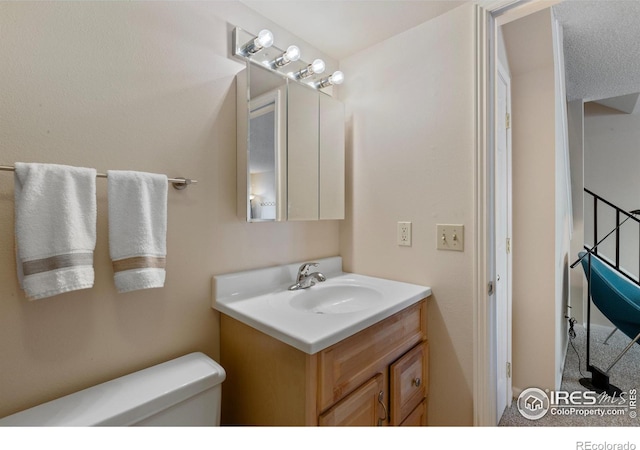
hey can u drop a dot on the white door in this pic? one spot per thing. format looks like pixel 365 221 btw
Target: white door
pixel 503 241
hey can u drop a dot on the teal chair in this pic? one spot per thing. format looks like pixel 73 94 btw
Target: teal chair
pixel 618 298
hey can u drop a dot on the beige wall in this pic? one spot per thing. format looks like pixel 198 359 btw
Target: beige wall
pixel 410 153
pixel 541 219
pixel 533 230
pixel 128 85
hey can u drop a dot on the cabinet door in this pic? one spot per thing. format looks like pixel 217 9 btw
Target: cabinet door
pixel 409 381
pixel 302 153
pixel 349 363
pixel 331 158
pixel 363 407
pixel 417 417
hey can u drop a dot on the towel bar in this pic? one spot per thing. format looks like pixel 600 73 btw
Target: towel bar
pixel 178 182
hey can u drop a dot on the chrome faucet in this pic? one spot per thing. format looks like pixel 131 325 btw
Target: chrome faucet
pixel 304 279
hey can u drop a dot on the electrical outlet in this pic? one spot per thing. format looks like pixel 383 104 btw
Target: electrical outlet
pixel 450 237
pixel 404 234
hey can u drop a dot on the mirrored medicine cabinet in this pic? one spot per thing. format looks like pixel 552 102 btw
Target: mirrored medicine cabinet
pixel 290 147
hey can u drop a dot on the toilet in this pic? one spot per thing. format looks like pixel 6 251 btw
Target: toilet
pixel 185 391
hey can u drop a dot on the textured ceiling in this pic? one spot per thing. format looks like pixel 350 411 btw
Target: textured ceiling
pixel 602 47
pixel 602 38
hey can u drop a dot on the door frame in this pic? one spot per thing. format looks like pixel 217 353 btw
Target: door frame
pixel 489 15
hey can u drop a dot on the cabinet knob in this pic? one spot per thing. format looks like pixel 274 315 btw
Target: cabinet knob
pixel 416 382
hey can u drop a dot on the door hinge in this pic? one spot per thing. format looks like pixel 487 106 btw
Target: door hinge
pixel 508 121
pixel 508 370
pixel 508 245
pixel 490 288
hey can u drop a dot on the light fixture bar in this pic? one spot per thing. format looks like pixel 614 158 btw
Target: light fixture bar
pixel 260 50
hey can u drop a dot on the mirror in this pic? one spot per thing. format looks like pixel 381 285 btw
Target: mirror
pixel 262 159
pixel 315 160
pixel 332 159
pixel 261 152
pixel 266 181
pixel 290 151
pixel 302 147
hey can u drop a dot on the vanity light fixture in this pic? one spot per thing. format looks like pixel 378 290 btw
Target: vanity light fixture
pixel 336 77
pixel 309 74
pixel 292 54
pixel 317 66
pixel 264 40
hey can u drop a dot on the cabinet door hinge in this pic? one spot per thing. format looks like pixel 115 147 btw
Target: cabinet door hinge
pixel 508 121
pixel 508 245
pixel 508 370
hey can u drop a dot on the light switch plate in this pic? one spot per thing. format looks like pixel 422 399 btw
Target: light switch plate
pixel 450 237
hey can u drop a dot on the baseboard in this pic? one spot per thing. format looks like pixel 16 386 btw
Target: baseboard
pixel 516 391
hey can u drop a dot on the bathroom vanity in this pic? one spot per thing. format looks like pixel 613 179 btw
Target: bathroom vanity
pixel 358 359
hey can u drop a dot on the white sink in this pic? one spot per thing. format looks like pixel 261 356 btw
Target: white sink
pixel 315 318
pixel 336 299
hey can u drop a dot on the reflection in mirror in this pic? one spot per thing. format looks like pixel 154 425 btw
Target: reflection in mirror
pixel 262 148
pixel 266 154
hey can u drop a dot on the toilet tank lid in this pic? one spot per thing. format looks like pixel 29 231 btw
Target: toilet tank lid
pixel 128 399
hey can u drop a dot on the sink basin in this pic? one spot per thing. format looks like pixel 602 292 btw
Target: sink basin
pixel 336 299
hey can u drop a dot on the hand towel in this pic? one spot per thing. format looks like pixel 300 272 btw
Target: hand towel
pixel 55 227
pixel 137 228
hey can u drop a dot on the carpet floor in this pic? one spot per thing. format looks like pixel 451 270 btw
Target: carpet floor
pixel 625 375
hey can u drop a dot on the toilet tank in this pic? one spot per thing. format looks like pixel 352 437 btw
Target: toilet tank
pixel 185 391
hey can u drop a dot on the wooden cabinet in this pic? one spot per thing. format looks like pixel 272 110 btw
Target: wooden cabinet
pixel 378 376
pixel 363 407
pixel 409 381
pixel 417 417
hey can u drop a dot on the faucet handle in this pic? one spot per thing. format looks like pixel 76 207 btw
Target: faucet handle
pixel 304 268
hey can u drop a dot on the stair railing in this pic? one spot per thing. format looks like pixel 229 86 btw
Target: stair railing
pixel 600 378
pixel 630 215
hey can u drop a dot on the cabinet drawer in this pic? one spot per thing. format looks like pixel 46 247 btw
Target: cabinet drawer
pixel 409 381
pixel 417 417
pixel 363 407
pixel 349 363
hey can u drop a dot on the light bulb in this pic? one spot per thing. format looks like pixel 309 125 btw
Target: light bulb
pixel 317 66
pixel 265 38
pixel 292 53
pixel 337 77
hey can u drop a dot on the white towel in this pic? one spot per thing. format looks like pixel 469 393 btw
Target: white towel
pixel 55 225
pixel 137 228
